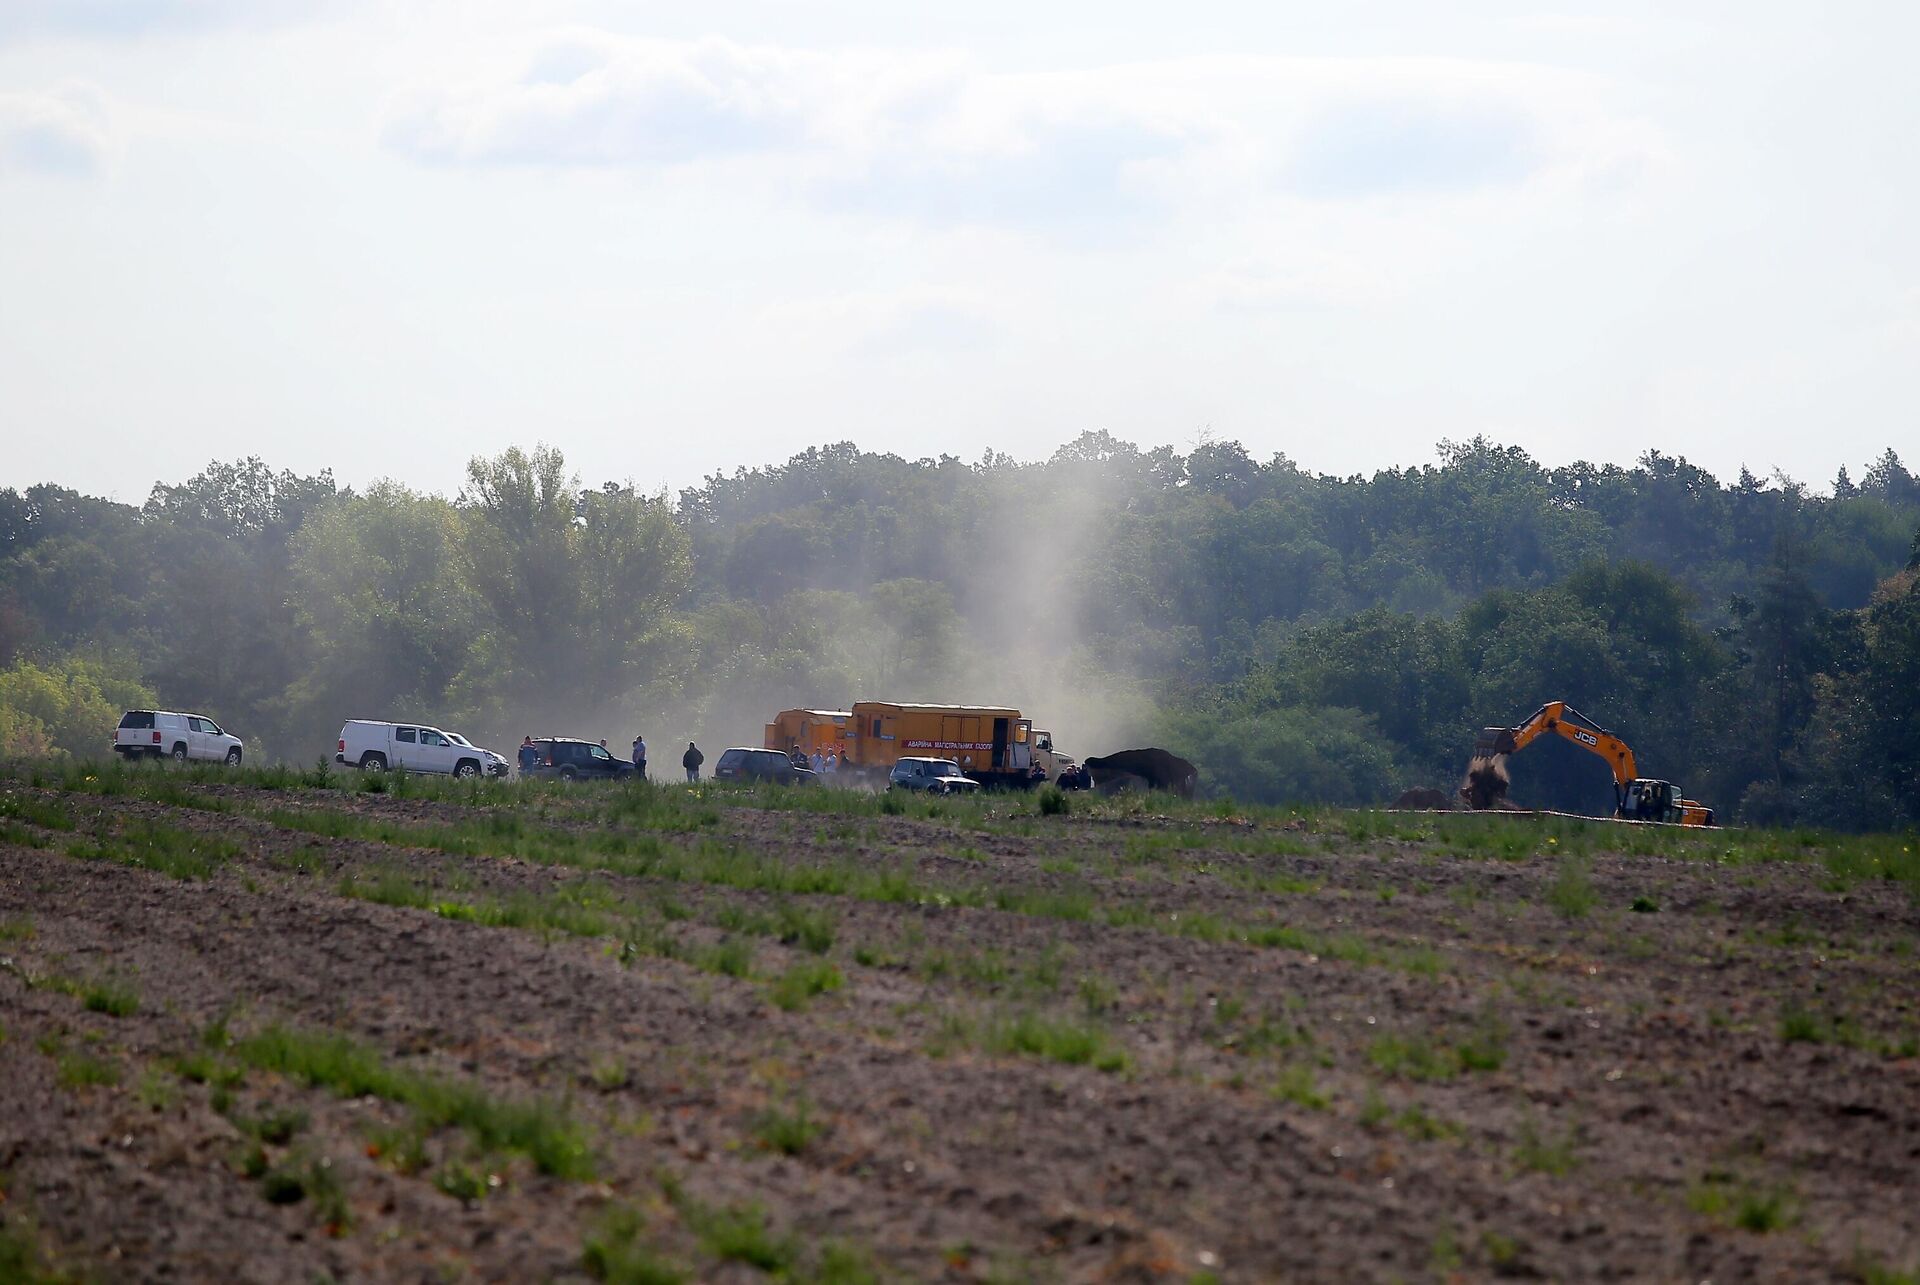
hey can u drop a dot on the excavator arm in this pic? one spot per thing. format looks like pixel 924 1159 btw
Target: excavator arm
pixel 1563 720
pixel 1635 798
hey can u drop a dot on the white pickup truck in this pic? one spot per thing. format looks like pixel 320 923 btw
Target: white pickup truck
pixel 159 733
pixel 413 747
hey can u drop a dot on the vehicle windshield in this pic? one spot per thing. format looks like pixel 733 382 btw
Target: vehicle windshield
pixel 946 767
pixel 458 739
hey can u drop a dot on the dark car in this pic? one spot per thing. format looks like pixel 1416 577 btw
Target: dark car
pixel 742 763
pixel 574 760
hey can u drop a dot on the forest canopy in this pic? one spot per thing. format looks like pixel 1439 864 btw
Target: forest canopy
pixel 1301 637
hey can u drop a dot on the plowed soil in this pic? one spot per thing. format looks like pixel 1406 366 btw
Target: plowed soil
pixel 1086 1047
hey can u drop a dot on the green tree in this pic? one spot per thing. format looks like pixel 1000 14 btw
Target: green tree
pixel 384 614
pixel 1318 754
pixel 579 587
pixel 70 706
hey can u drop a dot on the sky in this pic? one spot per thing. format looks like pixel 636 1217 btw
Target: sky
pixel 383 236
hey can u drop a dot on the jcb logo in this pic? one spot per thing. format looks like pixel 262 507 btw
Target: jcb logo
pixel 1586 738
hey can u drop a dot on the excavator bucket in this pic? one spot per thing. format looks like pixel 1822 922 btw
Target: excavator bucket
pixel 1493 741
pixel 1486 783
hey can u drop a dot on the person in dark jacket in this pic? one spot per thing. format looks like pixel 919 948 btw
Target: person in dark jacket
pixel 692 760
pixel 529 755
pixel 640 756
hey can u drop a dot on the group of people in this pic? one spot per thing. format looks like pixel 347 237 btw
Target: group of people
pixel 691 760
pixel 822 764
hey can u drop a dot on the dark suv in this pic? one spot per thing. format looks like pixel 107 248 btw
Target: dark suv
pixel 570 760
pixel 742 763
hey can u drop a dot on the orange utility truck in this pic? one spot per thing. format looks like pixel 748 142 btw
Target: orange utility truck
pixel 993 746
pixel 808 730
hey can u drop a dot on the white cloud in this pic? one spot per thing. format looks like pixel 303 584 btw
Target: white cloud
pixel 586 101
pixel 66 131
pixel 128 19
pixel 884 324
pixel 936 137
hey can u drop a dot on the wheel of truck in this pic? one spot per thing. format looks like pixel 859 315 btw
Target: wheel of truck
pixel 180 753
pixel 466 770
pixel 233 757
pixel 568 774
pixel 372 762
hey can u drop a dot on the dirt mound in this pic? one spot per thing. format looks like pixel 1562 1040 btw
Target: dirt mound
pixel 1160 770
pixel 1423 798
pixel 1486 783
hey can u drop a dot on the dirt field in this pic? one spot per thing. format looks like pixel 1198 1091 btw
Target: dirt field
pixel 277 1028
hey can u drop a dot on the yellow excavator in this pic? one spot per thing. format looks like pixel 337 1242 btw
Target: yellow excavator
pixel 1636 798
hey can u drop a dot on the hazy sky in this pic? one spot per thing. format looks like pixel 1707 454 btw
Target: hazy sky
pixel 673 238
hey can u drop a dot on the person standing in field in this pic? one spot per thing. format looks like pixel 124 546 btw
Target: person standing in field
pixel 692 760
pixel 528 755
pixel 640 756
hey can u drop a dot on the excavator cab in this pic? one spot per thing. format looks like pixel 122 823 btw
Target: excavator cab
pixel 1649 800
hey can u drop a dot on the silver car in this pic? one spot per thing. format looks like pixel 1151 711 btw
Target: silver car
pixel 936 776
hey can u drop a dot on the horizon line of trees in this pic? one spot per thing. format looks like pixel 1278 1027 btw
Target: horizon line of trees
pixel 1302 637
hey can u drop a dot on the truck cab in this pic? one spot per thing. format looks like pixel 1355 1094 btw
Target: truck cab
pixel 1049 759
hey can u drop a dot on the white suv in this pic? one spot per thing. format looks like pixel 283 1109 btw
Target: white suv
pixel 415 748
pixel 158 733
pixel 935 776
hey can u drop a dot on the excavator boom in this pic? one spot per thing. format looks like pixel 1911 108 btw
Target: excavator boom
pixel 1632 796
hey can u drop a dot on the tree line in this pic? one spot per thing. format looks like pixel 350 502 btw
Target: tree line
pixel 1302 637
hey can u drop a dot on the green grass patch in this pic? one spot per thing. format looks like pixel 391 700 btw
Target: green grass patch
pixel 24 1258
pixel 113 997
pixel 165 849
pixel 43 813
pixel 1738 1203
pixel 276 1126
pixel 1800 1025
pixel 802 982
pixel 543 1131
pixel 1296 1084
pixel 312 1179
pixel 1055 1038
pixel 742 1234
pixel 616 1250
pixel 1557 1155
pixel 729 957
pixel 1571 892
pixel 462 1181
pixel 1422 1058
pixel 788 1131
pixel 80 1070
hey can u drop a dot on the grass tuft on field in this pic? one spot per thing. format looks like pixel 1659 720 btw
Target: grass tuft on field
pixel 545 1132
